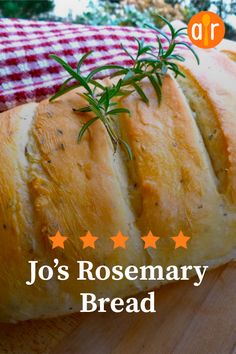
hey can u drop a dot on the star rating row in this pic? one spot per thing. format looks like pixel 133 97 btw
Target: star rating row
pixel 119 241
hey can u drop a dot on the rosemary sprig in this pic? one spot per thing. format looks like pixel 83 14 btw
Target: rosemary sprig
pixel 149 62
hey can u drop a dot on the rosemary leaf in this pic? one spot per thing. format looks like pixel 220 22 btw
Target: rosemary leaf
pixel 85 127
pixel 191 49
pixel 62 91
pixel 156 87
pixel 140 92
pixel 82 60
pixel 127 147
pixel 159 31
pixel 73 73
pixel 119 110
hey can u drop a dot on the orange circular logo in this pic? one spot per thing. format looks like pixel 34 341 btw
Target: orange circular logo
pixel 206 29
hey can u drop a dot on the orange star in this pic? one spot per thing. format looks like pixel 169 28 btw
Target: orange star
pixel 58 240
pixel 88 240
pixel 181 240
pixel 150 240
pixel 119 240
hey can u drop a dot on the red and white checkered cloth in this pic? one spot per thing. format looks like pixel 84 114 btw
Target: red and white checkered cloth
pixel 28 74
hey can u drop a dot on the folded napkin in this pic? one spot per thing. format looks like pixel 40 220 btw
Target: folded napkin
pixel 27 73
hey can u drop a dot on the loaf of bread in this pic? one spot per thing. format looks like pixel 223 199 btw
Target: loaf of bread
pixel 182 177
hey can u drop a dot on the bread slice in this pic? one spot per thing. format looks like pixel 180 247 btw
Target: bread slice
pixel 182 177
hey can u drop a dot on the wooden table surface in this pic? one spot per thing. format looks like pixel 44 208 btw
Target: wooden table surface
pixel 189 320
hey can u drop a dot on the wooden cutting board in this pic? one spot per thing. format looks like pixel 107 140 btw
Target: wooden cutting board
pixel 189 320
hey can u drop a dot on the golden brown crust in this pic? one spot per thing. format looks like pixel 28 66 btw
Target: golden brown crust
pixel 174 183
pixel 229 48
